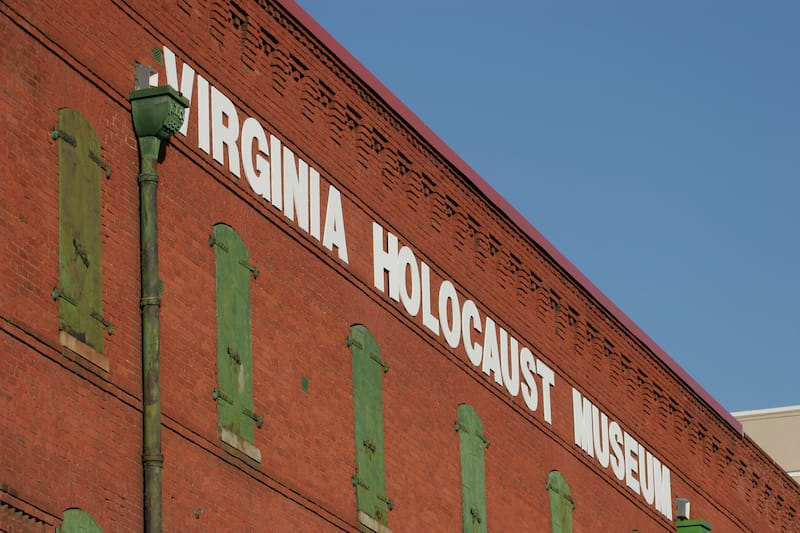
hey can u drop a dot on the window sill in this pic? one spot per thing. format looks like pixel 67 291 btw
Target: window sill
pixel 83 351
pixel 372 524
pixel 235 441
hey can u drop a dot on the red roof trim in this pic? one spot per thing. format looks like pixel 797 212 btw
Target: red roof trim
pixel 414 121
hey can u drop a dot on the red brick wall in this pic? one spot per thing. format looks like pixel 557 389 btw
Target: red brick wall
pixel 71 435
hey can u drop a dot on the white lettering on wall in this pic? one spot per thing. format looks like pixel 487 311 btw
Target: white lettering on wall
pixel 203 114
pixel 224 131
pixel 185 85
pixel 333 236
pixel 283 179
pixel 498 354
pixel 642 472
pixel 273 171
pixel 256 165
pixel 295 189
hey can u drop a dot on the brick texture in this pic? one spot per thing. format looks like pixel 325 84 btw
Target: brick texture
pixel 70 434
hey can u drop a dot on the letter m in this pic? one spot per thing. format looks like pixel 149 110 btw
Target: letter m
pixel 582 414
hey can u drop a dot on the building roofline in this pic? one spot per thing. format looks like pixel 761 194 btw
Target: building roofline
pixel 789 409
pixel 493 196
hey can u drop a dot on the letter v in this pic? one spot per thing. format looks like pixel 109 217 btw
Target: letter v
pixel 186 85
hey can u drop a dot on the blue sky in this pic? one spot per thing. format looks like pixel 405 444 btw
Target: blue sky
pixel 656 144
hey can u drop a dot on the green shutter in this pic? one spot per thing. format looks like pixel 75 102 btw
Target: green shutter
pixel 234 393
pixel 561 503
pixel 370 478
pixel 77 521
pixel 80 292
pixel 473 481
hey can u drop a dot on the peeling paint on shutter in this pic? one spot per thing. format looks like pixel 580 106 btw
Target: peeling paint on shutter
pixel 473 481
pixel 78 521
pixel 370 477
pixel 79 292
pixel 561 502
pixel 234 394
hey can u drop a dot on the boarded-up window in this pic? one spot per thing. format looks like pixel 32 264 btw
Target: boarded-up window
pixel 561 503
pixel 78 521
pixel 234 393
pixel 79 290
pixel 473 482
pixel 370 478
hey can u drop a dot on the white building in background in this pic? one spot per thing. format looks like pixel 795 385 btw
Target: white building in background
pixel 777 431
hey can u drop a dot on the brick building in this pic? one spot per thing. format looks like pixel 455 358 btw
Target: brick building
pixel 290 307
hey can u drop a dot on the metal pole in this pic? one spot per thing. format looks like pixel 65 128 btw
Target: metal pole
pixel 152 458
pixel 157 115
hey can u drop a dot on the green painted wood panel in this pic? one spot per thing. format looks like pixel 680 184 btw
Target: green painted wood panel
pixel 368 370
pixel 78 521
pixel 693 526
pixel 234 344
pixel 79 265
pixel 472 443
pixel 561 503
